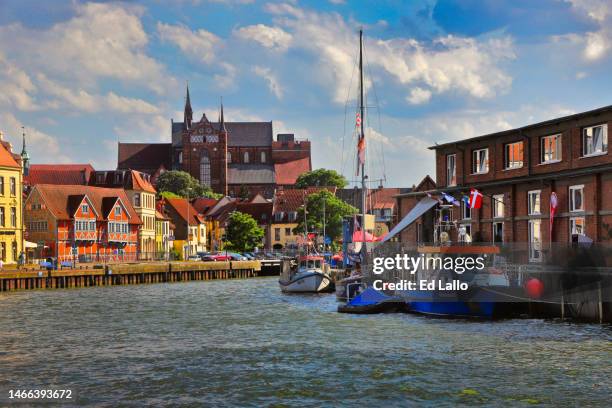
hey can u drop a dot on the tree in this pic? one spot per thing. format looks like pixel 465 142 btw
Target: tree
pixel 242 232
pixel 335 210
pixel 321 178
pixel 183 184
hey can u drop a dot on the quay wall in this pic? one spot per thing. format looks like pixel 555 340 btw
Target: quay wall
pixel 127 274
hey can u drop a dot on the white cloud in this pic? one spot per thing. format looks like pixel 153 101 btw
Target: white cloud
pixel 271 79
pixel 337 1
pixel 418 95
pixel 100 41
pixel 16 87
pixel 270 37
pixel 82 100
pixel 199 45
pixel 595 44
pixel 447 64
pixel 40 144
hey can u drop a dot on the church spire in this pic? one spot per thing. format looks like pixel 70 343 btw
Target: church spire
pixel 25 158
pixel 188 114
pixel 222 119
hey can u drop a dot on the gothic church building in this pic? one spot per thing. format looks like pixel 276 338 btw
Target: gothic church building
pixel 232 158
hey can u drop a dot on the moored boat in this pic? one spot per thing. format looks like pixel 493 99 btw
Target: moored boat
pixel 308 277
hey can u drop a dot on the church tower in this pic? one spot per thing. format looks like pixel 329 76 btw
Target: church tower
pixel 188 113
pixel 25 157
pixel 204 151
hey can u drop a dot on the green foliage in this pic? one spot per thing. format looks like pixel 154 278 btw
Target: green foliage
pixel 243 233
pixel 183 185
pixel 335 210
pixel 169 194
pixel 321 178
pixel 175 254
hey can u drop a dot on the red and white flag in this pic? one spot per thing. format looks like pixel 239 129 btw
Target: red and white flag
pixel 553 210
pixel 475 200
pixel 358 120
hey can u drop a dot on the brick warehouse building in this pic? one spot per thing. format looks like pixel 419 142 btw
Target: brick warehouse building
pixel 233 158
pixel 517 171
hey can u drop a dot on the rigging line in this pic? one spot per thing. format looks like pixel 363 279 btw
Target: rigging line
pixel 377 107
pixel 348 95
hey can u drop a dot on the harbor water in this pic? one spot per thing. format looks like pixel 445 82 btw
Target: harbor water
pixel 243 343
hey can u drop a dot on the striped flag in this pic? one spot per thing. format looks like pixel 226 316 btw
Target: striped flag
pixel 475 199
pixel 358 120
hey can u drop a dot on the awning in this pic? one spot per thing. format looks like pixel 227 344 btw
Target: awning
pixel 29 244
pixel 421 208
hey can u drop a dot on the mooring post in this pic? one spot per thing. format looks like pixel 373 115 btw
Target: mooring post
pixel 600 305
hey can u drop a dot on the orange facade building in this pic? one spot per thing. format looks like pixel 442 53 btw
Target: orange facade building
pixel 86 223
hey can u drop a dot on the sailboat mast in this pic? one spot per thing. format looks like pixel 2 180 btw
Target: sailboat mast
pixel 362 135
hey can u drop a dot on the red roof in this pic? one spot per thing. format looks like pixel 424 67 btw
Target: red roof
pixel 140 183
pixel 290 200
pixel 185 210
pixel 6 157
pixel 59 199
pixel 78 174
pixel 202 205
pixel 287 173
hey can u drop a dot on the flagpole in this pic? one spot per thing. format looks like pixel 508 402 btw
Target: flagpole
pixel 362 137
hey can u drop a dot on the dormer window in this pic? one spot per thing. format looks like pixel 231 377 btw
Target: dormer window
pixel 279 216
pixel 292 215
pixel 263 157
pixel 117 211
pixel 85 209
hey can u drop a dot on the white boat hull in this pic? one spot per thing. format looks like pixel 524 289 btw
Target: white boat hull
pixel 311 282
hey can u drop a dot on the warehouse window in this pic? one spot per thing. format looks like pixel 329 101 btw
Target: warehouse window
pixel 513 155
pixel 576 195
pixel 451 170
pixel 594 140
pixel 550 149
pixel 480 161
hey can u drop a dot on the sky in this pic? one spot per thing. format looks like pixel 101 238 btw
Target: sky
pixel 81 76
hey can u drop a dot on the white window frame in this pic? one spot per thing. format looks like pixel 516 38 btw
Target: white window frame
pixel 530 194
pixel 468 231
pixel 513 164
pixel 245 157
pixel 588 149
pixel 451 176
pixel 498 201
pixel 496 223
pixel 546 157
pixel 572 226
pixel 535 244
pixel 466 211
pixel 263 156
pixel 571 197
pixel 480 163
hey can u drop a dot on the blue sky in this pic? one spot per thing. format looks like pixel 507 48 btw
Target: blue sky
pixel 82 75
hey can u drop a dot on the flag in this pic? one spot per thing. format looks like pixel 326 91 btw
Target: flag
pixel 434 198
pixel 358 120
pixel 553 211
pixel 466 200
pixel 360 153
pixel 451 199
pixel 475 199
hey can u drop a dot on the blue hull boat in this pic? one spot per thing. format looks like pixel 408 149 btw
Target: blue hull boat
pixel 447 305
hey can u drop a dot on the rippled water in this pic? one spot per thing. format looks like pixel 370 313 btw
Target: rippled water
pixel 242 342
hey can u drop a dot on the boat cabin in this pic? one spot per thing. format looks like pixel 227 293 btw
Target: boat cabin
pixel 311 262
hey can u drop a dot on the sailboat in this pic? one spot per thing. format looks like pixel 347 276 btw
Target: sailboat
pixel 308 276
pixel 349 286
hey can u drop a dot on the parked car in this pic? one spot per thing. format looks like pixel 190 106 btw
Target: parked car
pixel 235 256
pixel 194 258
pixel 249 256
pixel 219 257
